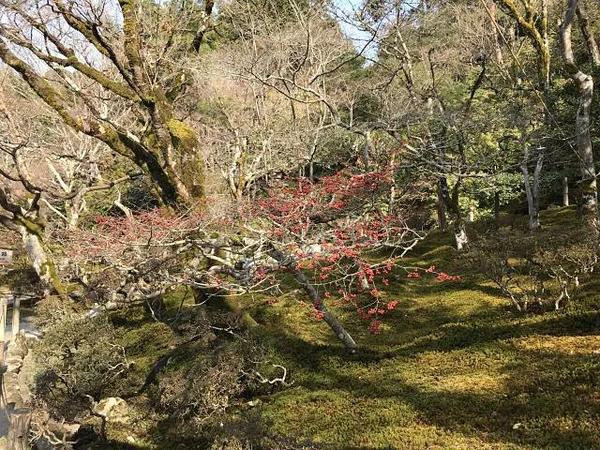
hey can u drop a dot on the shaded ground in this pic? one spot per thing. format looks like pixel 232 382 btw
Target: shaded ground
pixel 444 379
pixel 454 368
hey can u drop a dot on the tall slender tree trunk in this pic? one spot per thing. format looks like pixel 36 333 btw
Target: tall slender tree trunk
pixel 532 191
pixel 471 216
pixel 565 191
pixel 498 56
pixel 459 227
pixel 545 51
pixel 588 35
pixel 393 187
pixel 585 87
pixel 497 207
pixel 589 189
pixel 442 194
pixel 460 234
pixel 366 152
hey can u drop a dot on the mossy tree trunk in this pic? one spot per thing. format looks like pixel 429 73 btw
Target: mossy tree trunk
pixel 442 193
pixel 41 259
pixel 31 228
pixel 532 190
pixel 451 200
pixel 162 146
pixel 588 34
pixel 535 25
pixel 236 175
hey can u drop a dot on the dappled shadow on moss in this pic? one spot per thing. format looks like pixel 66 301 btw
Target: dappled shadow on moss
pixel 449 334
pixel 455 368
pixel 88 439
pixel 547 400
pixel 550 396
pixel 132 317
pixel 244 428
pixel 462 335
pixel 477 372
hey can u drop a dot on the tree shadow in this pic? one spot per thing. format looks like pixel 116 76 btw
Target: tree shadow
pixel 547 399
pixel 552 395
pixel 87 438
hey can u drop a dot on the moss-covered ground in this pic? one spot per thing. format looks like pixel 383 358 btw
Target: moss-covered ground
pixel 455 367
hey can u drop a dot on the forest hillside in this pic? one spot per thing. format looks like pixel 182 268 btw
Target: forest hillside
pixel 297 224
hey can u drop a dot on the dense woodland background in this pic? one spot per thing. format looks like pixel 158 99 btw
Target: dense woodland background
pixel 290 224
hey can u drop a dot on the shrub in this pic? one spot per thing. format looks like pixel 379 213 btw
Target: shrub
pixel 78 361
pixel 206 378
pixel 536 269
